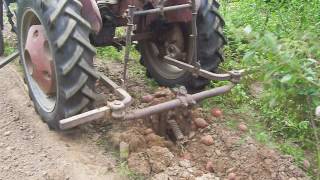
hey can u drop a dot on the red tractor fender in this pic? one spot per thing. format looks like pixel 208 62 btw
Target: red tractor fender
pixel 91 13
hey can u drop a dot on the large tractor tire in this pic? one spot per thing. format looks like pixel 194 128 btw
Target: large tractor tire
pixel 57 57
pixel 210 44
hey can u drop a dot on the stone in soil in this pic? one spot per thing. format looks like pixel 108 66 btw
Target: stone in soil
pixel 242 127
pixel 7 133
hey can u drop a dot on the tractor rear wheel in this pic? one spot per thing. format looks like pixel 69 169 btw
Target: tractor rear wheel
pixel 57 57
pixel 210 44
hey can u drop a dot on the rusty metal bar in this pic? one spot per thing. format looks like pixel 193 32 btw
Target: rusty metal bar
pixel 128 42
pixel 126 98
pixel 84 118
pixel 159 10
pixel 201 72
pixel 8 59
pixel 194 36
pixel 140 113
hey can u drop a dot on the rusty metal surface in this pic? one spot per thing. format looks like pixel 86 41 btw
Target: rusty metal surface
pixel 89 116
pixel 126 99
pixel 91 13
pixel 39 59
pixel 141 113
pixel 231 76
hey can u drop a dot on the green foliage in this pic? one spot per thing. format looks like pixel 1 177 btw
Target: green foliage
pixel 277 42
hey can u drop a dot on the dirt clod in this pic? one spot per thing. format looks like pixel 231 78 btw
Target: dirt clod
pixel 200 123
pixel 134 138
pixel 160 158
pixel 209 166
pixel 216 112
pixel 232 176
pixel 306 164
pixel 207 140
pixel 139 163
pixel 148 131
pixel 147 98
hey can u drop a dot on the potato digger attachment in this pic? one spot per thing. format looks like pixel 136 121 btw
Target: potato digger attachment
pixel 180 43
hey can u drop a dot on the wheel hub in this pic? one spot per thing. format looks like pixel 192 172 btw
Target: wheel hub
pixel 39 59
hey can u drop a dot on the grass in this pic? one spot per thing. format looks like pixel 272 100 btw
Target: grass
pixel 123 169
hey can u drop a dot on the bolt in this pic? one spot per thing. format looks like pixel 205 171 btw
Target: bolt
pixel 35 34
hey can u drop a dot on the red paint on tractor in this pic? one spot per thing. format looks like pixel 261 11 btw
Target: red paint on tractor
pixel 40 60
pixel 91 13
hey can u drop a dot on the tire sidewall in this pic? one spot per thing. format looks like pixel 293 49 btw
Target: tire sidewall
pixel 57 112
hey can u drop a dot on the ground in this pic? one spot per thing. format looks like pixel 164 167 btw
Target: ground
pixel 29 150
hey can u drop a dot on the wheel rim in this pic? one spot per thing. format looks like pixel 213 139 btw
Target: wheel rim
pixel 155 51
pixel 38 61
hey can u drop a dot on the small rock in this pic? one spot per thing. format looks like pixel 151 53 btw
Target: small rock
pixel 192 134
pixel 232 176
pixel 2 145
pixel 16 118
pixel 147 98
pixel 161 176
pixel 200 123
pixel 124 150
pixel 207 140
pixel 148 131
pixel 185 163
pixel 268 161
pixel 186 156
pixel 242 127
pixel 218 152
pixel 281 169
pixel 291 167
pixel 209 166
pixel 292 178
pixel 7 133
pixel 306 164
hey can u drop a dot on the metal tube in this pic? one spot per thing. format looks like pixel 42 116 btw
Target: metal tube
pixel 84 118
pixel 140 113
pixel 128 42
pixel 165 9
pixel 8 59
pixel 194 32
pixel 201 72
pixel 126 98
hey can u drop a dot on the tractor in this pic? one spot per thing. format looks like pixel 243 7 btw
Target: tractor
pixel 180 41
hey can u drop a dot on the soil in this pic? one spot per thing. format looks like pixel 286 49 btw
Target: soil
pixel 230 154
pixel 29 150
